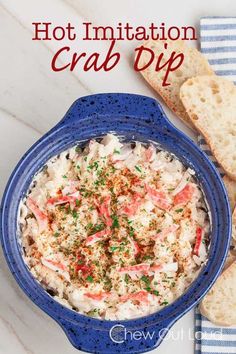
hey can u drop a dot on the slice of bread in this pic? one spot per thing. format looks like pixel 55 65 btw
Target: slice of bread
pixel 219 305
pixel 231 257
pixel 231 189
pixel 234 225
pixel 194 64
pixel 210 102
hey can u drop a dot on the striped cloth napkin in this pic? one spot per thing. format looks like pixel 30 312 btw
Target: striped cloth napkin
pixel 218 44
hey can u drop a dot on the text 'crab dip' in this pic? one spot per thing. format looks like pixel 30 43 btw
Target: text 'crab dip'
pixel 115 231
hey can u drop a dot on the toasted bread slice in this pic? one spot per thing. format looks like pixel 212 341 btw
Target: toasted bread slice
pixel 210 102
pixel 219 305
pixel 234 225
pixel 231 257
pixel 194 64
pixel 231 189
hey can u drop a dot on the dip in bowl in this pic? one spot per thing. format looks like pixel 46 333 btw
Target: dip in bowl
pixel 115 230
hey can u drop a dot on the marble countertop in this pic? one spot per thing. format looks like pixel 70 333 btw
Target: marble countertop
pixel 33 99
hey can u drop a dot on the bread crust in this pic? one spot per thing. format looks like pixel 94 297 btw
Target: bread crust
pixel 221 316
pixel 230 186
pixel 198 116
pixel 194 64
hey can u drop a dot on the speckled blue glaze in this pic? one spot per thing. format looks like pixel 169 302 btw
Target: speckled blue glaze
pixel 134 117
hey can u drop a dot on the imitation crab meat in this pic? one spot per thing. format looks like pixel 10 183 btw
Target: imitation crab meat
pixel 41 217
pixel 158 197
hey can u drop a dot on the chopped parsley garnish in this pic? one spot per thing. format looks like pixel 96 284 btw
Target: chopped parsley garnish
pixel 116 151
pixel 179 210
pixel 138 168
pixel 164 303
pixel 74 214
pixel 148 288
pixel 115 224
pixel 56 234
pixel 85 193
pixel 78 149
pixel 94 228
pixel 100 182
pixel 64 176
pixel 126 278
pixel 68 210
pixel 131 231
pixel 112 190
pixel 92 312
pixel 146 280
pixel 98 227
pixel 89 279
pixel 155 292
pixel 77 202
pixel 93 166
pixel 89 225
pixel 114 248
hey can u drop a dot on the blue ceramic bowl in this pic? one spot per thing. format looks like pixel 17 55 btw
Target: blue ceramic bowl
pixel 135 118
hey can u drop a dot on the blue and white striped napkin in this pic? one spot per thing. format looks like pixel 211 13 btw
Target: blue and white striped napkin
pixel 218 44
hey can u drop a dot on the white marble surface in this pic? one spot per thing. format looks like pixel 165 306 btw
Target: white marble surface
pixel 33 99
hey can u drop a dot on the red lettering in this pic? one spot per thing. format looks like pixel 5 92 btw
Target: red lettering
pixel 169 64
pixel 87 27
pixel 43 30
pixel 172 64
pixel 92 62
pixel 75 59
pixel 170 33
pixel 56 33
pixel 140 51
pixel 71 33
pixel 110 56
pixel 193 33
pixel 55 58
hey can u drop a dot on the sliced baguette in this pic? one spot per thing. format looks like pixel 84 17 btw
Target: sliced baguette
pixel 231 189
pixel 234 226
pixel 219 305
pixel 194 64
pixel 231 257
pixel 210 102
